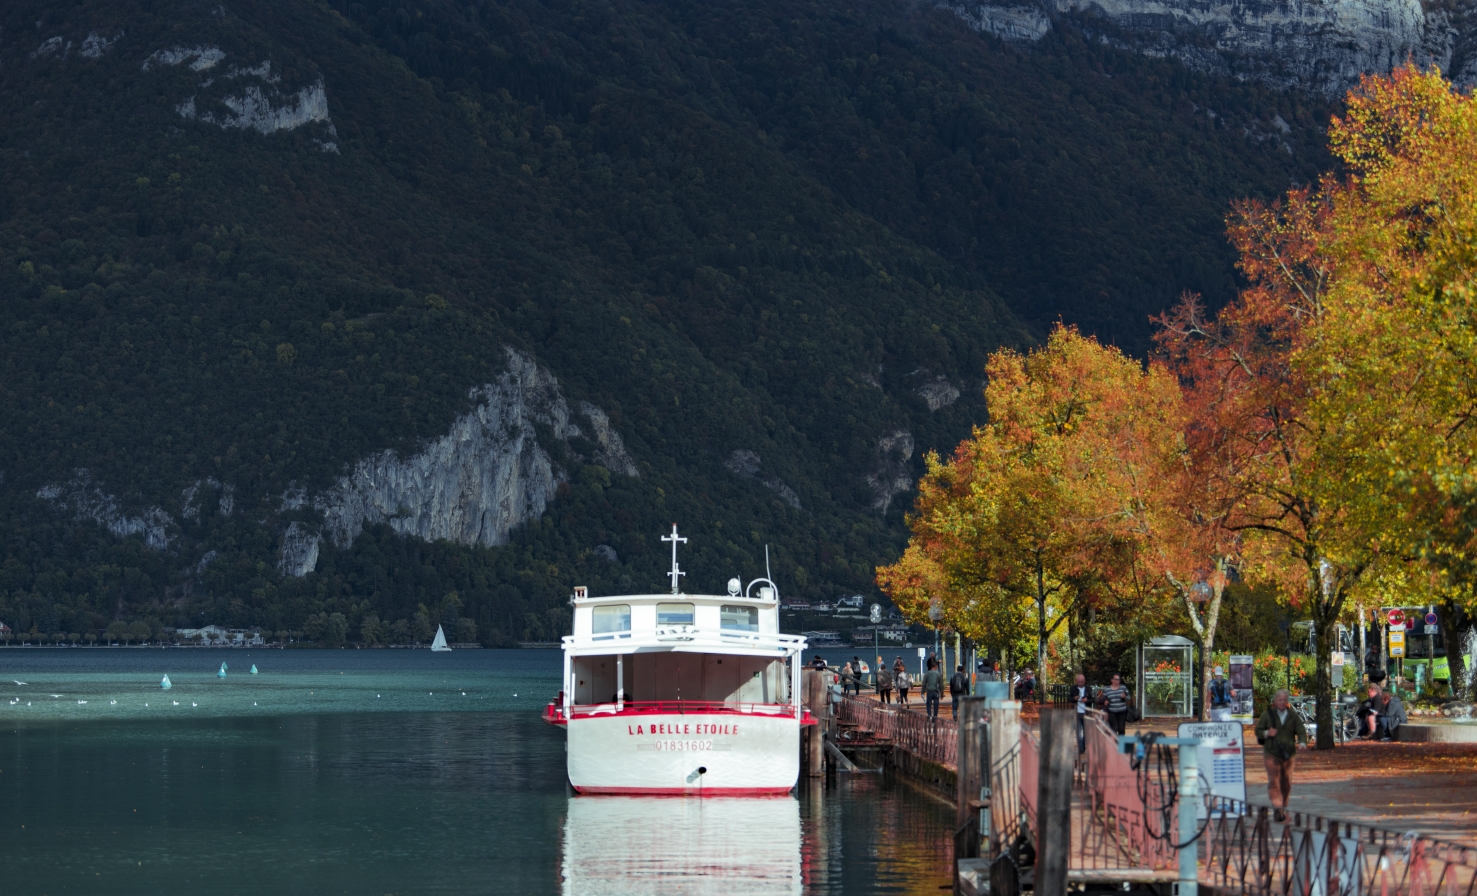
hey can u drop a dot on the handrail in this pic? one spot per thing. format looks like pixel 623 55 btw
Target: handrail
pixel 681 707
pixel 936 740
pixel 1247 851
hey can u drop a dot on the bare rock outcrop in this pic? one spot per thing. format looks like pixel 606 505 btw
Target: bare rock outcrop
pixel 1317 45
pixel 84 500
pixel 891 473
pixel 485 477
pixel 747 465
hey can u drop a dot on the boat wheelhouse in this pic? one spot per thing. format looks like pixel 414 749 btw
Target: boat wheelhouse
pixel 682 694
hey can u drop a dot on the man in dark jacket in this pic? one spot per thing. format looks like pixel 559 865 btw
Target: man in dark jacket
pixel 1383 715
pixel 1279 730
pixel 958 687
pixel 933 688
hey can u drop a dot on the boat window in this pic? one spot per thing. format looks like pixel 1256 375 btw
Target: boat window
pixel 674 614
pixel 615 618
pixel 744 619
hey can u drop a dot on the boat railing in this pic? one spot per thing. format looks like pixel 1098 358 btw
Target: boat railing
pixel 690 637
pixel 703 707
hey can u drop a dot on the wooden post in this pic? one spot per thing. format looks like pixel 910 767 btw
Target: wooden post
pixel 816 700
pixel 1005 772
pixel 971 775
pixel 1054 802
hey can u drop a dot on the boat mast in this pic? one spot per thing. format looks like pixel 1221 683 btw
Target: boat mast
pixel 676 572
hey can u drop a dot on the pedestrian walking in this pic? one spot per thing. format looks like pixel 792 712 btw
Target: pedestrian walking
pixel 847 673
pixel 904 681
pixel 958 687
pixel 933 688
pixel 1278 731
pixel 1025 688
pixel 1115 698
pixel 856 673
pixel 884 684
pixel 1220 697
pixel 1081 699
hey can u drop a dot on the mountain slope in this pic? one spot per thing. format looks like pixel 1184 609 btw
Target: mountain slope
pixel 311 310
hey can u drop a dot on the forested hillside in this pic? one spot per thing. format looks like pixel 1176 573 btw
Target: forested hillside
pixel 244 247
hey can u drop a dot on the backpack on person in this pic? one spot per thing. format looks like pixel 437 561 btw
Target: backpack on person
pixel 958 684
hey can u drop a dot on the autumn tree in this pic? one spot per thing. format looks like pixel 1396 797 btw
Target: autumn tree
pixel 1399 333
pixel 1276 459
pixel 1026 523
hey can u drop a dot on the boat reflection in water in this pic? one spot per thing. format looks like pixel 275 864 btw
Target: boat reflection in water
pixel 660 845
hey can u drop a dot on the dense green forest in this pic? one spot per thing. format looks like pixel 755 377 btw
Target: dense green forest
pixel 732 226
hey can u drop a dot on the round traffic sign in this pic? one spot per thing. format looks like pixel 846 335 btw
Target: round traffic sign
pixel 1397 617
pixel 1430 619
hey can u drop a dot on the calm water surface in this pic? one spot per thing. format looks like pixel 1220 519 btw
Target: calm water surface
pixel 388 771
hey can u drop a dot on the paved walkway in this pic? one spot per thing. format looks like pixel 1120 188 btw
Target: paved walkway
pixel 1427 787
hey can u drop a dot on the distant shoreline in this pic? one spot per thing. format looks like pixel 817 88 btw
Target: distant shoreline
pixel 239 647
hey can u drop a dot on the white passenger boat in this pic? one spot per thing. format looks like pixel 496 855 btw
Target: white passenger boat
pixel 682 694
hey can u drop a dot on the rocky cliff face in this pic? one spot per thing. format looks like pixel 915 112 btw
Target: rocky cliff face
pixel 1318 45
pixel 747 465
pixel 486 476
pixel 82 499
pixel 474 485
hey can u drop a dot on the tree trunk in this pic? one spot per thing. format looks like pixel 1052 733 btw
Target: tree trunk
pixel 1325 617
pixel 1040 632
pixel 1456 662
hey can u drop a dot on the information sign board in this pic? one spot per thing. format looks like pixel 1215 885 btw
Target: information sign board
pixel 1239 674
pixel 1433 629
pixel 1221 759
pixel 1397 644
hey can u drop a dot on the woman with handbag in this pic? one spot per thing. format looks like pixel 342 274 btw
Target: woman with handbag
pixel 1116 699
pixel 1278 731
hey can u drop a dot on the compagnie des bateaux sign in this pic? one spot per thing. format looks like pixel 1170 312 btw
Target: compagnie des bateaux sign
pixel 1220 757
pixel 684 737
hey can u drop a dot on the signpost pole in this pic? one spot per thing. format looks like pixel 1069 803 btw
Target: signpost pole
pixel 1189 786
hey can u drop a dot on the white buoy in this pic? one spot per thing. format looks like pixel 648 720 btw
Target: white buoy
pixel 194 704
pixel 115 703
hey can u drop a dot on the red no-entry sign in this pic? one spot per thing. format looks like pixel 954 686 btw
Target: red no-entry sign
pixel 1397 618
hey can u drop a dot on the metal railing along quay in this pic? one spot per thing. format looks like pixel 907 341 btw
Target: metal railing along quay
pixel 936 740
pixel 1245 851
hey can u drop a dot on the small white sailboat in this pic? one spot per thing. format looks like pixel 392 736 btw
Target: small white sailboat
pixel 165 683
pixel 440 642
pixel 253 668
pixel 222 672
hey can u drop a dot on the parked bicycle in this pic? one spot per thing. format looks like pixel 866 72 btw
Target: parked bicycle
pixel 1345 716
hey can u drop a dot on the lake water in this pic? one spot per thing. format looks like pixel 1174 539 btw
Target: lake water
pixel 387 771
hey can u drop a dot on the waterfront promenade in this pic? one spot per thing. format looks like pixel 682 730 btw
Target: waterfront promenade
pixel 1422 786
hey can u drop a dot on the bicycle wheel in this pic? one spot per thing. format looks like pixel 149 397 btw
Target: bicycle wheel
pixel 1348 728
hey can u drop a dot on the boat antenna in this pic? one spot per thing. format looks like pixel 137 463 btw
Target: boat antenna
pixel 676 572
pixel 766 564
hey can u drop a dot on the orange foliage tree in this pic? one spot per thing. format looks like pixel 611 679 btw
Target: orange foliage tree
pixel 1031 520
pixel 1330 400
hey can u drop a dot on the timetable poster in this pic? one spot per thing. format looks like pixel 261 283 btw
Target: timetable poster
pixel 1239 675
